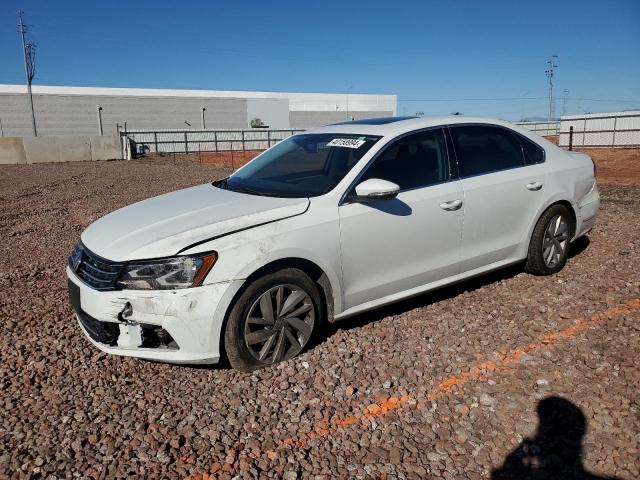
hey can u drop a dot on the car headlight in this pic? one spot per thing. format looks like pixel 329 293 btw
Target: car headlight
pixel 168 273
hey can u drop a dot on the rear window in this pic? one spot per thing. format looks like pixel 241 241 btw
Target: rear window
pixel 485 148
pixel 533 153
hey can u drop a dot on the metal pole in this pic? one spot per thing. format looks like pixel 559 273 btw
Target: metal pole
pixel 155 138
pixel 186 143
pixel 571 137
pixel 613 140
pixel 26 74
pixel 204 126
pixel 99 119
pixel 1 129
pixel 243 140
pixel 268 138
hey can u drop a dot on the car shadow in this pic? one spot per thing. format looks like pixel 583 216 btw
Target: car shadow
pixel 393 206
pixel 555 451
pixel 579 246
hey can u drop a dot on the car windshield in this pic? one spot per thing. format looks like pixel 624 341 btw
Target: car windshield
pixel 305 165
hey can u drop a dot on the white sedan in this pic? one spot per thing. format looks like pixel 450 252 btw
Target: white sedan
pixel 322 226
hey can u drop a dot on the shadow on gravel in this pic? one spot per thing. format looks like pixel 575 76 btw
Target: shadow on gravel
pixel 555 452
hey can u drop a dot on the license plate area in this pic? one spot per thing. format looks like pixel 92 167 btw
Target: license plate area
pixel 103 332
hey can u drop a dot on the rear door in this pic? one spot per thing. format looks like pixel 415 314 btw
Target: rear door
pixel 391 246
pixel 503 191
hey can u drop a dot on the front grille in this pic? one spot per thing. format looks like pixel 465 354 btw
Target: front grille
pixel 97 272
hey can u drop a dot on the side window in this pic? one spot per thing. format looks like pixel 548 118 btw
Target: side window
pixel 483 149
pixel 533 153
pixel 413 161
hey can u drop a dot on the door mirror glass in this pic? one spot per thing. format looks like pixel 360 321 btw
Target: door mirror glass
pixel 375 189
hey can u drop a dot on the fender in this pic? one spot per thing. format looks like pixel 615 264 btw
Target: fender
pixel 334 278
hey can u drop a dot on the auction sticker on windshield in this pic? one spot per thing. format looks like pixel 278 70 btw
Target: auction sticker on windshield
pixel 346 142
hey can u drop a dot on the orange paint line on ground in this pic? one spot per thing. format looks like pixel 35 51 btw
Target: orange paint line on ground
pixel 507 360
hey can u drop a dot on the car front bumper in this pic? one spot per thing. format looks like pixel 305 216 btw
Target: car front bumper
pixel 176 326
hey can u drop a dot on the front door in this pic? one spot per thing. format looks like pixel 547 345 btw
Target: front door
pixel 391 246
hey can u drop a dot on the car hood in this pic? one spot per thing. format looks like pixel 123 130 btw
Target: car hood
pixel 164 225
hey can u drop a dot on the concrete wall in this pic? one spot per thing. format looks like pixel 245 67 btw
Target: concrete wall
pixel 58 149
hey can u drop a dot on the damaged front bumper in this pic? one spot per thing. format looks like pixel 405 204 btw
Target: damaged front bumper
pixel 176 326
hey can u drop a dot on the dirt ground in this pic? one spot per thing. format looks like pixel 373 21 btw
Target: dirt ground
pixel 486 379
pixel 616 166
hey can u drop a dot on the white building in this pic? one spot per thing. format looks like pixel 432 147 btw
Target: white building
pixel 80 110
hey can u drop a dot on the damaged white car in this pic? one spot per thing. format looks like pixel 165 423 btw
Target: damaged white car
pixel 324 225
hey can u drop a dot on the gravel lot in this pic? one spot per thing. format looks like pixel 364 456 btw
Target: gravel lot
pixel 445 385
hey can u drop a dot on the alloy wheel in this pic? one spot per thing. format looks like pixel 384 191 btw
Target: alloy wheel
pixel 556 241
pixel 279 323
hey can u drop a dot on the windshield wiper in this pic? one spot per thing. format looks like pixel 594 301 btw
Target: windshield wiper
pixel 250 191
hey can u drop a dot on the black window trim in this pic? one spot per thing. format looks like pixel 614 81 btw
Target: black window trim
pixel 443 128
pixel 516 134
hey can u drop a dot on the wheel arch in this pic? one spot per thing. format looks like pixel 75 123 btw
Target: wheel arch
pixel 572 212
pixel 557 201
pixel 328 289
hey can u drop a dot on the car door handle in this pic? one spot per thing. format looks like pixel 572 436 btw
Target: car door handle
pixel 452 205
pixel 533 186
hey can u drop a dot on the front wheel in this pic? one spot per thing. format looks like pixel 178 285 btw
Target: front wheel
pixel 549 247
pixel 272 320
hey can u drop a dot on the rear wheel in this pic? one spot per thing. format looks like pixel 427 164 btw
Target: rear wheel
pixel 273 320
pixel 550 242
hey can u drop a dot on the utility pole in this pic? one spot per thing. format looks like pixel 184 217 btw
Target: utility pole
pixel 565 94
pixel 29 53
pixel 551 65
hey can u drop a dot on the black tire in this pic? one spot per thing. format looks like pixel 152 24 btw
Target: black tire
pixel 236 346
pixel 536 263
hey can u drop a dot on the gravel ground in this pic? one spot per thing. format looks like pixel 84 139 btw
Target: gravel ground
pixel 473 381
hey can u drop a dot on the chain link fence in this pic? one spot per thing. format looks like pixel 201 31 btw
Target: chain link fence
pixel 194 141
pixel 619 129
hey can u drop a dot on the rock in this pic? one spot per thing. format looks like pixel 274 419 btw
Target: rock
pixel 487 400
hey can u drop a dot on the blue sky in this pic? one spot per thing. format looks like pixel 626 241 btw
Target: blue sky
pixel 439 50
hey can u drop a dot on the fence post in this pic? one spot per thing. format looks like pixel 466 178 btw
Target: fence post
pixel 571 138
pixel 243 141
pixel 155 139
pixel 584 132
pixel 268 138
pixel 615 123
pixel 186 143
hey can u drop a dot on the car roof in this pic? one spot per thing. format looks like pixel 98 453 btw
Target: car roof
pixel 392 126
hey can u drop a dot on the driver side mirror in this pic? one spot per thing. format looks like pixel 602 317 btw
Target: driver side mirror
pixel 375 189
